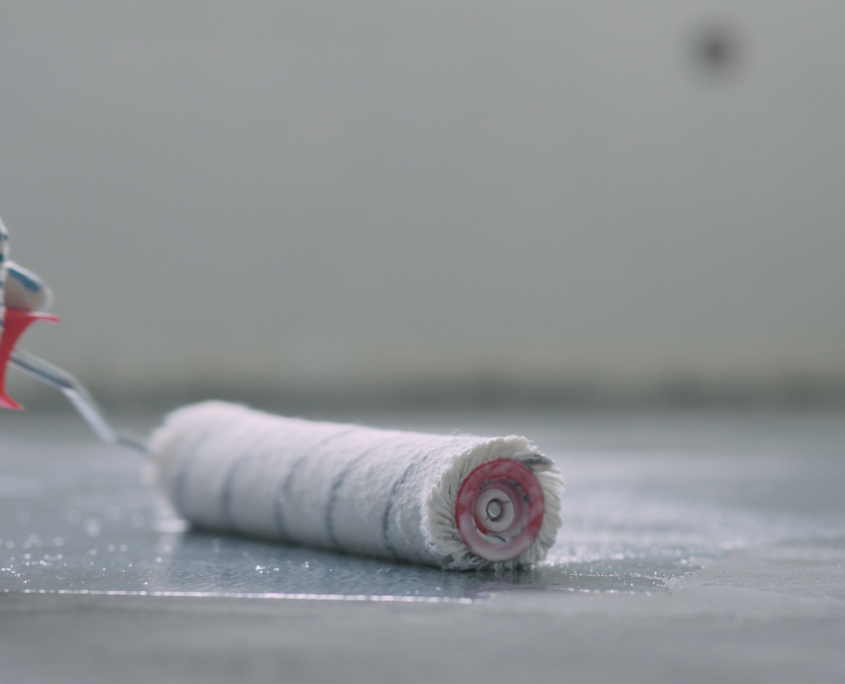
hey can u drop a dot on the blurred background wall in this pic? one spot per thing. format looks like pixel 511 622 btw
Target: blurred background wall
pixel 399 200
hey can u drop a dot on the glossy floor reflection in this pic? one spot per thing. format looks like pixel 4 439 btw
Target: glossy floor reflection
pixel 647 495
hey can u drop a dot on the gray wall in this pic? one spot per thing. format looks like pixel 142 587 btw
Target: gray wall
pixel 365 197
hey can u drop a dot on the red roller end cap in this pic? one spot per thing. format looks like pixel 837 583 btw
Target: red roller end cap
pixel 499 510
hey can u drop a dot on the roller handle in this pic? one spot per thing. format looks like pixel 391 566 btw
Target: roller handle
pixel 15 324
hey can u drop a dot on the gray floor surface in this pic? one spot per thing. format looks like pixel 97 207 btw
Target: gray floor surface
pixel 696 546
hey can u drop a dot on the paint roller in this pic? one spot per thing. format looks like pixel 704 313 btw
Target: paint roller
pixel 454 501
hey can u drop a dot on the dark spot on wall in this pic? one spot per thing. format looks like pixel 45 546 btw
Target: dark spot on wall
pixel 717 49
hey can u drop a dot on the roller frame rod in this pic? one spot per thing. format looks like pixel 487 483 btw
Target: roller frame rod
pixel 78 395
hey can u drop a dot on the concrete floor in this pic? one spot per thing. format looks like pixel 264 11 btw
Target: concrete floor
pixel 750 507
pixel 737 620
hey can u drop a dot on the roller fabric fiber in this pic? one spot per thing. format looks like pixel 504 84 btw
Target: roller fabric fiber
pixel 457 502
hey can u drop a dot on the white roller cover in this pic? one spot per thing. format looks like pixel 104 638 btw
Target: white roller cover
pixel 340 487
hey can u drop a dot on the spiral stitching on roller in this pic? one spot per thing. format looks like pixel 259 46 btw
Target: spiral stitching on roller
pixel 385 521
pixel 283 491
pixel 336 485
pixel 180 482
pixel 234 469
pixel 394 490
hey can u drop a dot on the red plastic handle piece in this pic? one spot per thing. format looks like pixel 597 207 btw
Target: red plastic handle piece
pixel 15 324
